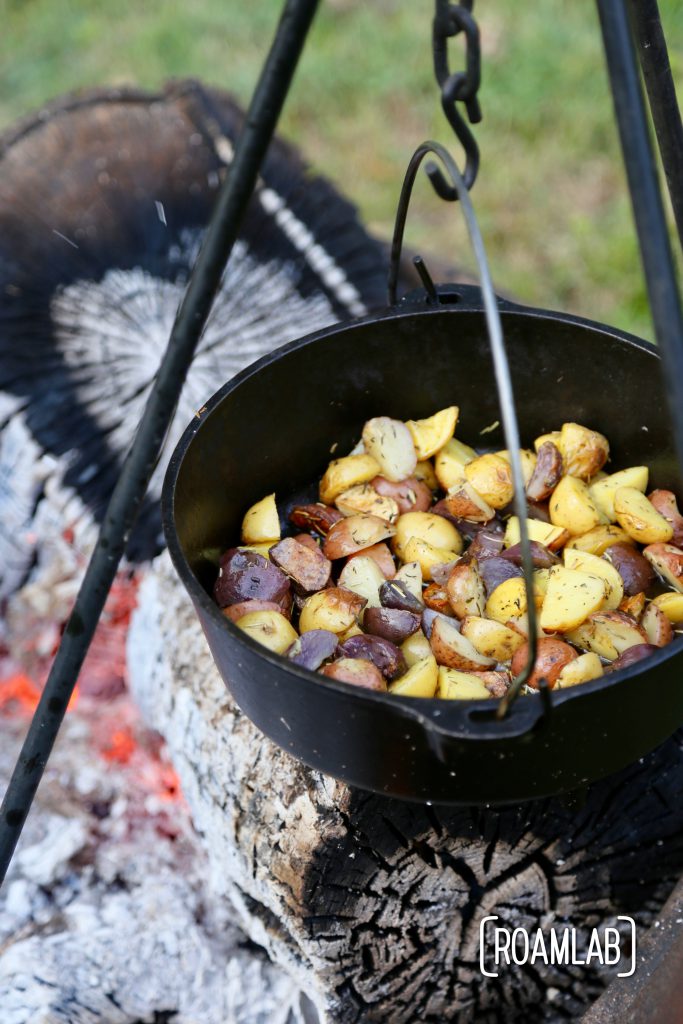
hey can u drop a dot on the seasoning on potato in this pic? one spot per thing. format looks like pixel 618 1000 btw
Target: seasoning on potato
pixel 406 578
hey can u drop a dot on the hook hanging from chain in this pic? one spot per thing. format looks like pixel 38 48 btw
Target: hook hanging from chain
pixel 459 87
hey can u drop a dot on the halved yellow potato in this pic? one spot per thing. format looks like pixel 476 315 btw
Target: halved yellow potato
pixel 583 451
pixel 353 630
pixel 356 533
pixel 450 462
pixel 269 628
pixel 508 600
pixel 261 523
pixel 426 526
pixel 572 507
pixel 416 648
pixel 420 680
pixel 570 598
pixel 491 638
pixel 491 477
pixel 463 501
pixel 455 685
pixel 390 443
pixel 427 555
pixel 363 576
pixel 341 474
pixel 431 434
pixel 672 606
pixel 410 573
pixel 598 540
pixel 363 498
pixel 657 626
pixel 602 491
pixel 586 562
pixel 553 435
pixel 552 537
pixel 640 518
pixel 526 457
pixel 607 634
pixel 336 609
pixel 584 668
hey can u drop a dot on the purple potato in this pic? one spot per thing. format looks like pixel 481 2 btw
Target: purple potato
pixel 395 594
pixel 464 526
pixel 634 568
pixel 541 556
pixel 547 472
pixel 441 572
pixel 496 570
pixel 487 544
pixel 393 624
pixel 633 654
pixel 313 648
pixel 538 510
pixel 248 576
pixel 382 653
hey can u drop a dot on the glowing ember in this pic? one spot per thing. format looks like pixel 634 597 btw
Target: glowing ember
pixel 18 695
pixel 121 746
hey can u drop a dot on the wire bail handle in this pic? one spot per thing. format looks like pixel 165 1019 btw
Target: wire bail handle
pixel 501 370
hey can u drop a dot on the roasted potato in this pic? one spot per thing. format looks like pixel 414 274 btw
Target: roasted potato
pixel 307 567
pixel 390 443
pixel 636 572
pixel 508 600
pixel 363 576
pixel 430 435
pixel 639 518
pixel 420 680
pixel 270 629
pixel 427 556
pixel 572 507
pixel 570 598
pixel 354 534
pixel 450 462
pixel 335 609
pixel 381 556
pixel 580 670
pixel 665 503
pixel 658 629
pixel 416 648
pixel 463 502
pixel 672 606
pixel 248 576
pixel 435 597
pixel 546 474
pixel 392 624
pixel 434 530
pixel 585 562
pixel 317 517
pixel 261 523
pixel 583 451
pixel 457 685
pixel 551 536
pixel 598 540
pixel 607 634
pixel 667 560
pixel 397 594
pixel 490 638
pixel 410 495
pixel 465 590
pixel 452 649
pixel 528 460
pixel 491 477
pixel 341 474
pixel 362 499
pixel 602 491
pixel 551 657
pixel 632 655
pixel 386 656
pixel 357 671
pixel 311 649
pixel 236 611
pixel 410 574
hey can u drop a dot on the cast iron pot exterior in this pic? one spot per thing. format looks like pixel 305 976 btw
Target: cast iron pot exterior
pixel 275 426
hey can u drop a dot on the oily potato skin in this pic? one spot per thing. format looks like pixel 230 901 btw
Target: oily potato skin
pixel 316 516
pixel 635 570
pixel 434 530
pixel 584 452
pixel 665 503
pixel 551 657
pixel 465 590
pixel 357 671
pixel 453 650
pixel 307 567
pixel 355 533
pixel 491 477
pixel 658 629
pixel 640 518
pixel 667 560
pixel 411 495
pixel 463 502
pixel 334 609
pixel 547 473
pixel 341 474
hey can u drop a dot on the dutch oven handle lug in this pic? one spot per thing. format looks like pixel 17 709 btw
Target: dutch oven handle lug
pixel 466 297
pixel 480 724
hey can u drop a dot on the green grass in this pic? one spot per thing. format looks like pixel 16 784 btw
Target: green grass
pixel 551 195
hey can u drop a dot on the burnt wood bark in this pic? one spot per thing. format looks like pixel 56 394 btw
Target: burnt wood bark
pixel 375 904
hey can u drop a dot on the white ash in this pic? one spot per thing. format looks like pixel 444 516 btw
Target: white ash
pixel 105 916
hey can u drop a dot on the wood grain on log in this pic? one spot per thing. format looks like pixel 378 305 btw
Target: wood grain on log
pixel 374 904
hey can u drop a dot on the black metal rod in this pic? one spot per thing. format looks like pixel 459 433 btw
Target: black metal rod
pixel 131 487
pixel 648 209
pixel 661 91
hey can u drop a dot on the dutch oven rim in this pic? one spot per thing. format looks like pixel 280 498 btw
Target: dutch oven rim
pixel 425 710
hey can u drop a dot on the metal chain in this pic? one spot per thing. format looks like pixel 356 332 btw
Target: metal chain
pixel 457 87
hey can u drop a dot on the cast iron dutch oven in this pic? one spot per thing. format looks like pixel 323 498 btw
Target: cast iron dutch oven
pixel 274 427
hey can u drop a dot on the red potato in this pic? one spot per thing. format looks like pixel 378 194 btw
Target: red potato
pixel 308 541
pixel 307 567
pixel 355 534
pixel 411 495
pixel 452 649
pixel 393 624
pixel 381 556
pixel 465 590
pixel 463 502
pixel 547 473
pixel 357 671
pixel 318 517
pixel 551 657
pixel 667 506
pixel 487 543
pixel 246 576
pixel 657 627
pixel 387 657
pixel 236 611
pixel 435 597
pixel 634 569
pixel 668 562
pixel 466 527
pixel 633 605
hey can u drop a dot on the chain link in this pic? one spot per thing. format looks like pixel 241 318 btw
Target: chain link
pixel 457 87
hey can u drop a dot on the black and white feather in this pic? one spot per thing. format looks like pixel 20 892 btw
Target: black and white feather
pixel 104 198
